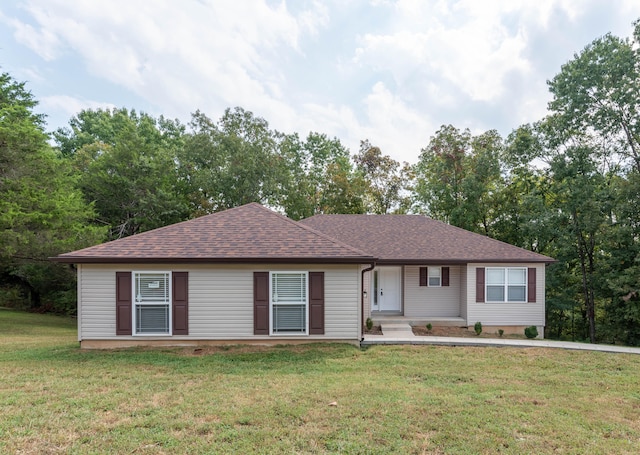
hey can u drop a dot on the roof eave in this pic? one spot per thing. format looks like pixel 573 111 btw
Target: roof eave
pixel 205 260
pixel 463 261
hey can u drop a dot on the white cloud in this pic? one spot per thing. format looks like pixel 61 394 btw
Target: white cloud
pixel 389 71
pixel 69 105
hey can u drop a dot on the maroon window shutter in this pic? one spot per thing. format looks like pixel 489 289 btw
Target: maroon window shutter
pixel 423 276
pixel 531 285
pixel 316 303
pixel 261 303
pixel 445 276
pixel 180 303
pixel 480 284
pixel 123 303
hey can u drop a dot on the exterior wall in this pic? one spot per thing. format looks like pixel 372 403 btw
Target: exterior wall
pixel 220 301
pixel 506 314
pixel 463 292
pixel 366 282
pixel 426 301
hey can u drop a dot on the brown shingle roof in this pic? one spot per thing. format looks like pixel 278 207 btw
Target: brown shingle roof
pixel 417 239
pixel 250 233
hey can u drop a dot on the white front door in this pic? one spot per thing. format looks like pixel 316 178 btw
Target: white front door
pixel 386 289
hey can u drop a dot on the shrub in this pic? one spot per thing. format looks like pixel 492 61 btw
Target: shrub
pixel 531 332
pixel 429 327
pixel 369 323
pixel 500 332
pixel 478 327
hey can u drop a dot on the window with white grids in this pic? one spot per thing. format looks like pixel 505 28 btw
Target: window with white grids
pixel 152 303
pixel 506 284
pixel 435 276
pixel 289 303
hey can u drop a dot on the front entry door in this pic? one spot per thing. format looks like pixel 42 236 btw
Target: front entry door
pixel 388 289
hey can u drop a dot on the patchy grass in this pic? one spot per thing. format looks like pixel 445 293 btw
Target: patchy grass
pixel 55 398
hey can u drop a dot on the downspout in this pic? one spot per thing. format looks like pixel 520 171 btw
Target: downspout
pixel 362 293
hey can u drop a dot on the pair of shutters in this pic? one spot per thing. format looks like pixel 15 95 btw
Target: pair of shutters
pixel 531 284
pixel 424 276
pixel 179 303
pixel 261 303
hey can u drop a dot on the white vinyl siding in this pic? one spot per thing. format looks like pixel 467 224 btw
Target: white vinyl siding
pixel 431 301
pixel 220 300
pixel 506 313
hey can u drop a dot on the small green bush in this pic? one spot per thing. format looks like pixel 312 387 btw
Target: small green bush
pixel 369 323
pixel 500 333
pixel 478 327
pixel 531 332
pixel 429 327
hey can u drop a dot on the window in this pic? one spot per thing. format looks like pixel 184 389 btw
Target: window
pixel 289 303
pixel 435 276
pixel 152 303
pixel 507 284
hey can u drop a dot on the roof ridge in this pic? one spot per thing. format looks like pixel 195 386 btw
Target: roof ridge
pixel 313 231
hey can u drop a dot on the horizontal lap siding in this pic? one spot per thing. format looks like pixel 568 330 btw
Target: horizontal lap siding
pixel 98 299
pixel 220 300
pixel 426 301
pixel 506 313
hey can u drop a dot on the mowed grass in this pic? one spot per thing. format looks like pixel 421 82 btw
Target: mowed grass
pixel 56 398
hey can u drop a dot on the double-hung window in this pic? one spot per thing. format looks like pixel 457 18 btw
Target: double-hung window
pixel 152 303
pixel 506 284
pixel 289 302
pixel 435 276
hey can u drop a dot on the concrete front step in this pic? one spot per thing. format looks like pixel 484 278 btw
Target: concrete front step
pixel 396 329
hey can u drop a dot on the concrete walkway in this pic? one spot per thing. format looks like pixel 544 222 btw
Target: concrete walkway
pixel 402 334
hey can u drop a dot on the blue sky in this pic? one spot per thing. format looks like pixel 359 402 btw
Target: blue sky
pixel 389 71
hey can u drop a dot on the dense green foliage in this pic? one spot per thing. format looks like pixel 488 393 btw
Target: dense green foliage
pixel 42 212
pixel 567 186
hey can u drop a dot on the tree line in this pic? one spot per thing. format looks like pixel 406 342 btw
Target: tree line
pixel 567 186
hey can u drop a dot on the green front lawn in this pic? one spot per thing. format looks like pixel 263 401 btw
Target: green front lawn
pixel 55 398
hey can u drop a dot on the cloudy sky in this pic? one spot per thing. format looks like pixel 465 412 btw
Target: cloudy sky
pixel 389 71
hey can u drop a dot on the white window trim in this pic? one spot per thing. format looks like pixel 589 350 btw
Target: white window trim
pixel 506 285
pixel 134 304
pixel 306 303
pixel 439 285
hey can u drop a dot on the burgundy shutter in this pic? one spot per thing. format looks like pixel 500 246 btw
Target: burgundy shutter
pixel 531 285
pixel 261 303
pixel 480 284
pixel 316 303
pixel 180 303
pixel 445 276
pixel 423 276
pixel 123 303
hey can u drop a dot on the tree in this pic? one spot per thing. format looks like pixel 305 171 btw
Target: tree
pixel 458 178
pixel 580 196
pixel 127 168
pixel 598 92
pixel 232 162
pixel 41 213
pixel 321 177
pixel 386 180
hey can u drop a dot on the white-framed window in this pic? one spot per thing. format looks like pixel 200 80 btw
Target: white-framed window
pixel 506 284
pixel 434 276
pixel 151 303
pixel 289 303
